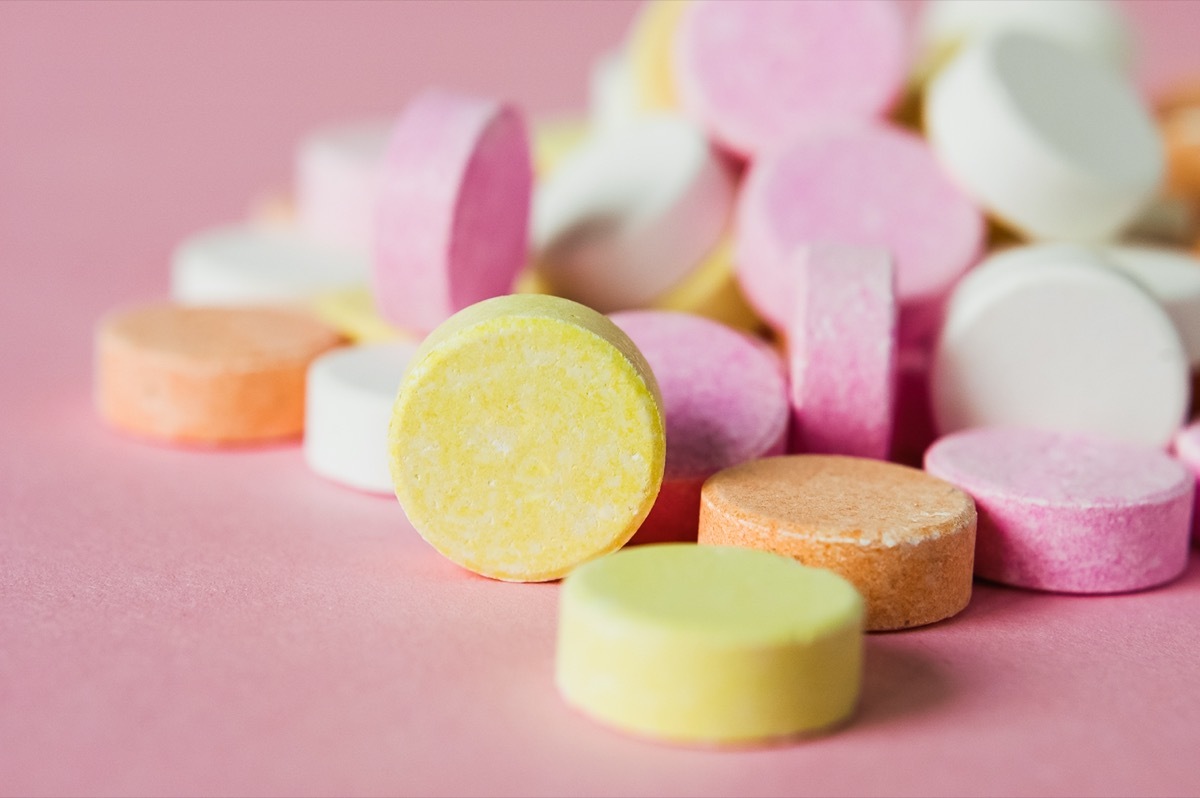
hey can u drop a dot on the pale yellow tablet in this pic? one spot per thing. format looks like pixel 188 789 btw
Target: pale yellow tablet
pixel 353 313
pixel 709 645
pixel 527 438
pixel 651 44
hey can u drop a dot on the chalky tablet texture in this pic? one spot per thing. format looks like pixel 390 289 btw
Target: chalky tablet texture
pixel 1055 144
pixel 871 186
pixel 905 539
pixel 724 401
pixel 350 393
pixel 207 375
pixel 453 208
pixel 1049 336
pixel 338 171
pixel 756 71
pixel 527 438
pixel 255 264
pixel 709 645
pixel 1187 449
pixel 1070 513
pixel 631 212
pixel 842 352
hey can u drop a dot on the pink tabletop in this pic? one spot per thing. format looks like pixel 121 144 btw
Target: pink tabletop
pixel 191 622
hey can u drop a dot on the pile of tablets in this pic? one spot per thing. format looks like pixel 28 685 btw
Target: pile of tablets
pixel 782 251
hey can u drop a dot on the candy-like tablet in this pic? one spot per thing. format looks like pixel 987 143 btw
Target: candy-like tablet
pixel 1049 336
pixel 651 54
pixel 353 314
pixel 1173 278
pixel 867 185
pixel 253 265
pixel 348 407
pixel 337 182
pixel 1055 144
pixel 842 352
pixel 207 375
pixel 1070 513
pixel 612 96
pixel 631 212
pixel 1187 449
pixel 709 645
pixel 724 401
pixel 1095 28
pixel 711 290
pixel 905 539
pixel 527 438
pixel 453 208
pixel 756 71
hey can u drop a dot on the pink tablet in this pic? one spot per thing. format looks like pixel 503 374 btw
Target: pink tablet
pixel 725 402
pixel 755 71
pixel 842 351
pixel 1070 513
pixel 453 212
pixel 871 185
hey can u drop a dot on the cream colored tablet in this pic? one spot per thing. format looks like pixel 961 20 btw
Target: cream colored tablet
pixel 709 645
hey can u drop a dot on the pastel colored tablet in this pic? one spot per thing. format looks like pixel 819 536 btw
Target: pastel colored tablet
pixel 842 352
pixel 452 219
pixel 208 376
pixel 1073 158
pixel 757 71
pixel 1070 513
pixel 904 539
pixel 338 170
pixel 254 264
pixel 866 185
pixel 724 402
pixel 527 438
pixel 348 405
pixel 1050 336
pixel 707 645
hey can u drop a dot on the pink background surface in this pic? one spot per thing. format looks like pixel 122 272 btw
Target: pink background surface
pixel 195 622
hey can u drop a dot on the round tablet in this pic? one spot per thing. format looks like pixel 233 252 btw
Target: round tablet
pixel 1070 513
pixel 1075 158
pixel 905 539
pixel 1172 277
pixel 337 182
pixel 453 208
pixel 1095 28
pixel 842 352
pixel 629 213
pixel 651 50
pixel 207 375
pixel 1187 450
pixel 756 71
pixel 254 264
pixel 868 185
pixel 709 645
pixel 1048 336
pixel 527 438
pixel 724 401
pixel 350 393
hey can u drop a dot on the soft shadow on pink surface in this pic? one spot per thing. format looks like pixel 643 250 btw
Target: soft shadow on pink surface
pixel 181 622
